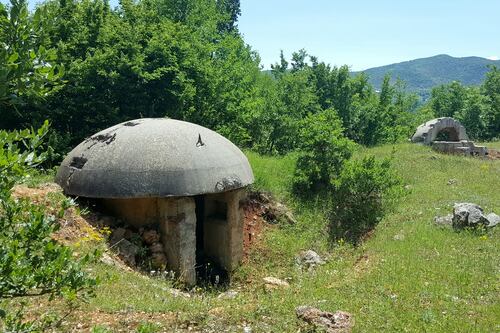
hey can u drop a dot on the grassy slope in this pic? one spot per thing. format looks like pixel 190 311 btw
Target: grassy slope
pixel 433 279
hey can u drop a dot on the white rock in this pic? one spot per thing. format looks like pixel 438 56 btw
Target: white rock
pixel 179 293
pixel 272 281
pixel 230 294
pixel 309 259
pixel 444 220
pixel 468 215
pixel 493 219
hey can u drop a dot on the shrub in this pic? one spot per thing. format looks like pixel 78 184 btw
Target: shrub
pixel 324 149
pixel 32 263
pixel 360 197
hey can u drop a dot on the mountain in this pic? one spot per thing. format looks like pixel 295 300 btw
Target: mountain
pixel 422 74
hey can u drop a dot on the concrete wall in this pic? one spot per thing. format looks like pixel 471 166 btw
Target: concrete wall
pixel 223 228
pixel 464 147
pixel 137 212
pixel 178 229
pixel 427 132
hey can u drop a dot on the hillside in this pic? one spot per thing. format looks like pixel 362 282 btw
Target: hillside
pixel 422 74
pixel 409 275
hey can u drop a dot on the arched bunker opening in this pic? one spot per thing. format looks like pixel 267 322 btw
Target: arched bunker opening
pixel 449 134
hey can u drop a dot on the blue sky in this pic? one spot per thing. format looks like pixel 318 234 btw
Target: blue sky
pixel 365 33
pixel 369 33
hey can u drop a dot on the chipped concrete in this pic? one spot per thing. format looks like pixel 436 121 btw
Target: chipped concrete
pixel 447 135
pixel 150 175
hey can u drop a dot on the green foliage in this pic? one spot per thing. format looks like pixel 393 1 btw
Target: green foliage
pixel 491 90
pixel 360 197
pixel 181 59
pixel 324 149
pixel 32 263
pixel 27 66
pixel 186 60
pixel 147 327
pixel 448 99
pixel 100 329
pixel 475 107
pixel 421 75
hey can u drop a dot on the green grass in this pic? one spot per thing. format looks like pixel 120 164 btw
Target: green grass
pixel 428 279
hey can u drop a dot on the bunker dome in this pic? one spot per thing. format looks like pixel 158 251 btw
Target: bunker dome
pixel 447 135
pixel 439 129
pixel 182 177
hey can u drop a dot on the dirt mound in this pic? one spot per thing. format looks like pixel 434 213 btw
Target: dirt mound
pixel 74 227
pixel 261 211
pixel 493 154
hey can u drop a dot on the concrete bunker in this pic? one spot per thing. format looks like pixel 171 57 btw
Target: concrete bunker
pixel 184 178
pixel 447 135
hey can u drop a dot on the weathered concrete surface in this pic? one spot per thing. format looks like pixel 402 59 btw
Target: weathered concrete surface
pixel 153 158
pixel 178 229
pixel 137 212
pixel 428 132
pixel 223 228
pixel 464 147
pixel 456 139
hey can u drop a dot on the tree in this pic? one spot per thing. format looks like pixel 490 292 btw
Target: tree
pixel 360 196
pixel 278 69
pixel 386 93
pixel 299 60
pixel 324 149
pixel 32 263
pixel 491 90
pixel 448 99
pixel 230 10
pixel 473 114
pixel 27 68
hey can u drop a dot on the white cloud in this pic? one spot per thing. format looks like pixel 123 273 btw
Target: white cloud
pixel 493 58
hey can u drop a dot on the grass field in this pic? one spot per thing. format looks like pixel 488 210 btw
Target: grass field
pixel 409 276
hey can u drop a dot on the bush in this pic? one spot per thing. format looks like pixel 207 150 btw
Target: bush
pixel 360 197
pixel 32 263
pixel 324 149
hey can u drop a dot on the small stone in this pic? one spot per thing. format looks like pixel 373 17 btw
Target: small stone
pixel 275 211
pixel 337 322
pixel 275 282
pixel 444 220
pixel 399 237
pixel 290 218
pixel 117 235
pixel 159 260
pixel 156 248
pixel 493 220
pixel 468 215
pixel 408 187
pixel 150 237
pixel 309 259
pixel 127 251
pixel 452 181
pixel 179 293
pixel 106 259
pixel 230 294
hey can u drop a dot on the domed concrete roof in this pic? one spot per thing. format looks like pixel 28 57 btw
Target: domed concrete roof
pixel 153 158
pixel 428 131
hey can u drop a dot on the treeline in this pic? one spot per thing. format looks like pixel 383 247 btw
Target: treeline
pixel 85 66
pixel 477 108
